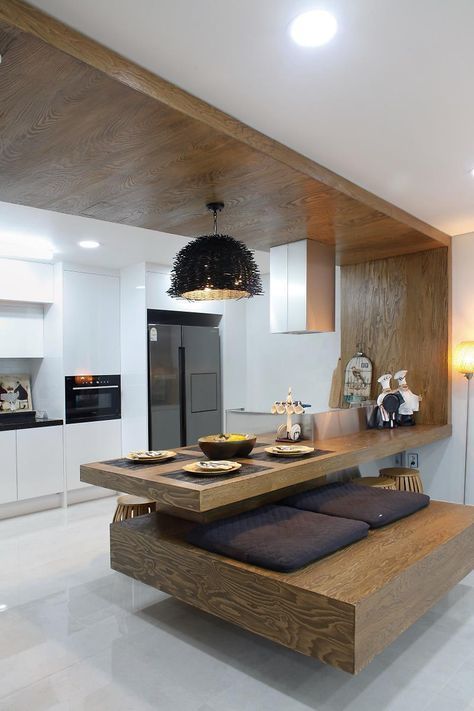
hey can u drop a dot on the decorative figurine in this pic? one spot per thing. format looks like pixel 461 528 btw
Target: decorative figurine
pixel 388 405
pixel 385 384
pixel 358 379
pixel 411 402
pixel 288 431
pixel 395 407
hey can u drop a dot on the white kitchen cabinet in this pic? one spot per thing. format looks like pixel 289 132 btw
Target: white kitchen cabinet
pixel 40 461
pixel 90 442
pixel 26 281
pixel 91 323
pixel 8 490
pixel 21 330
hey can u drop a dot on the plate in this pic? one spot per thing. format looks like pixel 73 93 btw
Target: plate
pixel 151 456
pixel 199 468
pixel 289 450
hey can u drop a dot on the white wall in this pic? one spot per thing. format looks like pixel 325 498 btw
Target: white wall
pixel 275 361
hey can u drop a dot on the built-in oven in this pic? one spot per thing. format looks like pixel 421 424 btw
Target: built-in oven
pixel 91 398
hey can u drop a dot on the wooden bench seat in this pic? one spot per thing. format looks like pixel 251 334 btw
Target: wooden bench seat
pixel 342 610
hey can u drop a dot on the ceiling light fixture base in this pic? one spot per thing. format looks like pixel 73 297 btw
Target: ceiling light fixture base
pixel 215 206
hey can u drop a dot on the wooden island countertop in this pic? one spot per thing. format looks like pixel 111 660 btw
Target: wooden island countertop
pixel 261 475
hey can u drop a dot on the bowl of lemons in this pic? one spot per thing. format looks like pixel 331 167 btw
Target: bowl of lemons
pixel 227 446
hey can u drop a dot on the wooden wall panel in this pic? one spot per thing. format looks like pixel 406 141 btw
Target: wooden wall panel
pixel 398 309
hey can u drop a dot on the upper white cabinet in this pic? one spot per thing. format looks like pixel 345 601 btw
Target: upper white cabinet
pixel 8 490
pixel 26 281
pixel 91 323
pixel 21 330
pixel 40 461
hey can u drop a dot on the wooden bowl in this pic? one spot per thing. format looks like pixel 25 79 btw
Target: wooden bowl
pixel 216 448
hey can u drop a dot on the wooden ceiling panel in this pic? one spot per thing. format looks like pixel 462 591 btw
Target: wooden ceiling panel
pixel 76 140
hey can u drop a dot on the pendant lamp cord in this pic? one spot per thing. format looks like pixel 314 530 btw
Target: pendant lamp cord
pixel 215 222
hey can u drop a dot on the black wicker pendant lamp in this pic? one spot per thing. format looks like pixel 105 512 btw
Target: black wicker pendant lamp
pixel 215 267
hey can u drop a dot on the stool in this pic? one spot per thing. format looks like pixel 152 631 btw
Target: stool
pixel 378 482
pixel 405 479
pixel 132 506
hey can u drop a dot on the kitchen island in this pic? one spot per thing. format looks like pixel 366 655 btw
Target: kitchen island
pixel 261 479
pixel 343 609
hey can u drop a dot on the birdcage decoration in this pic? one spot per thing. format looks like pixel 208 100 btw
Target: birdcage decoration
pixel 358 379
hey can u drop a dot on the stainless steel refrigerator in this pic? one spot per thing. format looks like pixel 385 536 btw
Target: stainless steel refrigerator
pixel 184 383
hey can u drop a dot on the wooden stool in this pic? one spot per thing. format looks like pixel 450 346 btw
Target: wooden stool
pixel 405 479
pixel 376 481
pixel 132 506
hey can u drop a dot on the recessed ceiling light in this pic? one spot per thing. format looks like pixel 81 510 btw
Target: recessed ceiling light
pixel 313 28
pixel 89 244
pixel 140 286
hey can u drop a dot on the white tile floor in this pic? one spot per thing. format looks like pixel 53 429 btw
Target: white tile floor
pixel 75 635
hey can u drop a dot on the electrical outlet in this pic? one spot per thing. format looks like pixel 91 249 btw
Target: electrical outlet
pixel 412 460
pixel 399 459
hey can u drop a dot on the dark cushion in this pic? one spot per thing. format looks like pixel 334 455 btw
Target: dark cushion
pixel 277 537
pixel 377 507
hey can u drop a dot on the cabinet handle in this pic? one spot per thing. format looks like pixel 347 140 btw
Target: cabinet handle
pixel 96 387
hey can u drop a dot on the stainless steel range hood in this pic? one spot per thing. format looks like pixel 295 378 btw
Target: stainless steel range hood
pixel 302 287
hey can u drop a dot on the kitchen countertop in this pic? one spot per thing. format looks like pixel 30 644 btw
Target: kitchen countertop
pixel 169 485
pixel 4 427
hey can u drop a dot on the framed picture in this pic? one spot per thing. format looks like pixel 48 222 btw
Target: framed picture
pixel 15 394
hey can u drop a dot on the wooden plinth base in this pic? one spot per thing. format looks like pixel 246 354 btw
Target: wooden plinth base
pixel 342 610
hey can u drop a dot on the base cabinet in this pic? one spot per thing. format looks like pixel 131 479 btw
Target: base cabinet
pixel 8 490
pixel 39 455
pixel 90 442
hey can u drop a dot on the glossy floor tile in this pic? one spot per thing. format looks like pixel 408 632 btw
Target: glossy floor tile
pixel 75 635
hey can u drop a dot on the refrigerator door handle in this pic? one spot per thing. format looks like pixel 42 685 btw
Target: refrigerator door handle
pixel 182 394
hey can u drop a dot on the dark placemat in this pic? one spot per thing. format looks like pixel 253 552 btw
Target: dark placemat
pixel 129 464
pixel 245 469
pixel 264 456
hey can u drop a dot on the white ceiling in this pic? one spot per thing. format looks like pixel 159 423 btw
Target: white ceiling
pixel 120 245
pixel 388 103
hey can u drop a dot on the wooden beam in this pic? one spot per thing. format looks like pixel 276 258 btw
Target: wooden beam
pixel 55 33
